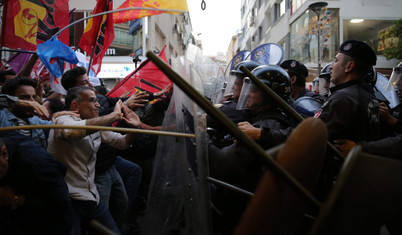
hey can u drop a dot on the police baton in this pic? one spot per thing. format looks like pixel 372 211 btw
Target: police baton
pixel 283 104
pixel 218 115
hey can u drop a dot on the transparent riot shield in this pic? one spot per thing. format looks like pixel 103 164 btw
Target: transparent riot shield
pixel 179 197
pixel 220 85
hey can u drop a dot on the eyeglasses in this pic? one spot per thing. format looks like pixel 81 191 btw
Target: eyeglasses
pixel 91 100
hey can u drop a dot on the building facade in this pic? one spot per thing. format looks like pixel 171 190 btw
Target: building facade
pixel 292 25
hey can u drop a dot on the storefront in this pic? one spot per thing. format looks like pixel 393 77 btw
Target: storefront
pixel 304 37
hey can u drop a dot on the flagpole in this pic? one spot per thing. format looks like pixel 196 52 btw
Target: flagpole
pixel 113 11
pixel 95 42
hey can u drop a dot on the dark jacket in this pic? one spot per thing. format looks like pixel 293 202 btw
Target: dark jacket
pixel 233 158
pixel 33 172
pixel 352 112
pixel 106 155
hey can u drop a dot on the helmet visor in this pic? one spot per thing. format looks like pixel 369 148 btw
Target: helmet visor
pixel 394 82
pixel 323 85
pixel 234 86
pixel 251 96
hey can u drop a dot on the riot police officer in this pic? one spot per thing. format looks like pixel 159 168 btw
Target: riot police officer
pixel 352 110
pixel 234 163
pixel 298 73
pixel 303 100
pixel 394 117
pixel 324 82
pixel 228 107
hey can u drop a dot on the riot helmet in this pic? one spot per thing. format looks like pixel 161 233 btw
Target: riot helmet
pixel 274 77
pixel 306 106
pixel 324 82
pixel 395 80
pixel 235 80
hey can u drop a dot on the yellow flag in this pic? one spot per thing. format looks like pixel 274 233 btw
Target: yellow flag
pixel 26 21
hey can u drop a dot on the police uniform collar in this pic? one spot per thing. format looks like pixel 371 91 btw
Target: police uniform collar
pixel 346 84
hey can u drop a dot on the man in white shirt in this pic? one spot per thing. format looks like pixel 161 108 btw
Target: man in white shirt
pixel 77 149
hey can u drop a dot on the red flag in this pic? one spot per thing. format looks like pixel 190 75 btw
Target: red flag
pixel 147 77
pixel 29 23
pixel 99 32
pixel 124 16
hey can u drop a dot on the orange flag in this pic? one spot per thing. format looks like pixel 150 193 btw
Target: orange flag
pixel 124 16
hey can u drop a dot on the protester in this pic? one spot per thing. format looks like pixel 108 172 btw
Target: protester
pixel 34 197
pixel 82 146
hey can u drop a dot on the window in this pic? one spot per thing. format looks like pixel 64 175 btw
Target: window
pixel 260 36
pixel 373 32
pixel 282 7
pixel 304 37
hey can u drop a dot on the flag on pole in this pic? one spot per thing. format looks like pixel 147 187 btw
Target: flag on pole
pixel 27 24
pixel 98 34
pixel 146 78
pixel 53 54
pixel 124 16
pixel 18 61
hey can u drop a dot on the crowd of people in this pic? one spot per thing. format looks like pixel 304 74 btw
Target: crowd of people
pixel 56 181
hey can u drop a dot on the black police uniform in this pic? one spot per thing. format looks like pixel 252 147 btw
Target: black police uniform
pixel 220 135
pixel 229 109
pixel 397 113
pixel 236 165
pixel 351 112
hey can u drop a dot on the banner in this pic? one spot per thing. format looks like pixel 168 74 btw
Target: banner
pixel 124 16
pixel 147 78
pixel 99 33
pixel 27 24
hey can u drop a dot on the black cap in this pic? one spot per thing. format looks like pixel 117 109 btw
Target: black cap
pixel 296 67
pixel 359 51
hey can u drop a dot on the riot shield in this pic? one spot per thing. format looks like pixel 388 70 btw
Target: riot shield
pixel 383 91
pixel 179 195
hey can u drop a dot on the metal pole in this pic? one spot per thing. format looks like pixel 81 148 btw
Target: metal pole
pixel 16 50
pixel 283 104
pixel 113 11
pixel 99 128
pixel 250 144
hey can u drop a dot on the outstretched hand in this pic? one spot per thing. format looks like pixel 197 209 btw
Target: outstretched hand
pixel 163 91
pixel 138 99
pixel 131 118
pixel 117 110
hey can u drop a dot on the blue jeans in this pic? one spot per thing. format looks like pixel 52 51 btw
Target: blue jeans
pixel 111 189
pixel 131 175
pixel 85 211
